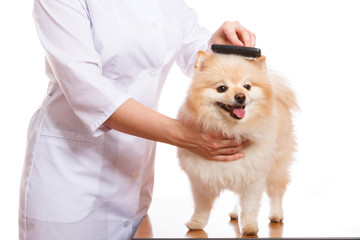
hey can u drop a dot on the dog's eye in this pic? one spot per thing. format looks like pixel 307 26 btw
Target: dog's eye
pixel 247 86
pixel 222 89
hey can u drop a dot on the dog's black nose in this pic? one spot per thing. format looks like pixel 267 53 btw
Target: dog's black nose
pixel 240 98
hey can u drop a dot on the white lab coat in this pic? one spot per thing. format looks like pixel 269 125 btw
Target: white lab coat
pixel 82 180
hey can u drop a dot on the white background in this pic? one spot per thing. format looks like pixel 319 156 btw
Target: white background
pixel 315 44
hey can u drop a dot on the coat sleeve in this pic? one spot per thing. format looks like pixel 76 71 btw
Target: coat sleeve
pixel 194 38
pixel 64 29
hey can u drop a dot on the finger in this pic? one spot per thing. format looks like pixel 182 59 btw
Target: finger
pixel 244 35
pixel 224 145
pixel 232 37
pixel 227 158
pixel 229 32
pixel 229 151
pixel 253 39
pixel 231 142
pixel 232 149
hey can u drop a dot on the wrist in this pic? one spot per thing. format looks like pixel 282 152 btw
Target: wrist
pixel 175 133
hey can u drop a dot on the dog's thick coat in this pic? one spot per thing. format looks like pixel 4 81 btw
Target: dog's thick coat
pixel 240 98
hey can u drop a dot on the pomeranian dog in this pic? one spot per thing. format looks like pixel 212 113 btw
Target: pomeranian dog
pixel 240 98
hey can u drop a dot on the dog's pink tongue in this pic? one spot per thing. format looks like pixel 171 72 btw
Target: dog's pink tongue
pixel 239 112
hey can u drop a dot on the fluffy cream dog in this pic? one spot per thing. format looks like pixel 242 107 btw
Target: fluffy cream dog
pixel 240 98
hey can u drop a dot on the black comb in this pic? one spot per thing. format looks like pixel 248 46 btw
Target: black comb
pixel 243 51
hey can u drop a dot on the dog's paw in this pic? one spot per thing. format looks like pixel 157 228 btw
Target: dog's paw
pixel 250 230
pixel 276 218
pixel 195 224
pixel 234 216
pixel 276 215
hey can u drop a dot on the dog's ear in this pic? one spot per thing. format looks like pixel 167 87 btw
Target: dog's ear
pixel 201 59
pixel 261 62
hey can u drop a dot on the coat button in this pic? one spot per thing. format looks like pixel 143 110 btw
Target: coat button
pixel 152 73
pixel 126 224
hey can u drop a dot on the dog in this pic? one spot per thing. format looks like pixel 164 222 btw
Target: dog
pixel 242 99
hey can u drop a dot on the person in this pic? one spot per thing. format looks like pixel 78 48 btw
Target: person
pixel 88 171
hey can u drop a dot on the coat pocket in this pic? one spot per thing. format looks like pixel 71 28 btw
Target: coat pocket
pixel 64 178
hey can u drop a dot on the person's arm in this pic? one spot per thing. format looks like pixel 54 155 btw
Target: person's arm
pixel 64 29
pixel 138 120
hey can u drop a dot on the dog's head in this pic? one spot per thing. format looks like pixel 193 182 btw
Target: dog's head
pixel 230 88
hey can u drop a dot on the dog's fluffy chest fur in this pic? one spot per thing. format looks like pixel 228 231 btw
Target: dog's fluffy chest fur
pixel 234 175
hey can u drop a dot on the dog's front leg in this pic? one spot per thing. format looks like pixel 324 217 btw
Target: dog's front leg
pixel 203 201
pixel 250 199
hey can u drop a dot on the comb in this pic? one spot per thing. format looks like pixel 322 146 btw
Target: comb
pixel 249 52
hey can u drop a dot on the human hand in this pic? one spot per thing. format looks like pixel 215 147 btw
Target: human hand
pixel 233 33
pixel 212 146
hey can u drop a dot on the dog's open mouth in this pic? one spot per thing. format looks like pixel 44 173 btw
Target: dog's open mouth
pixel 236 111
